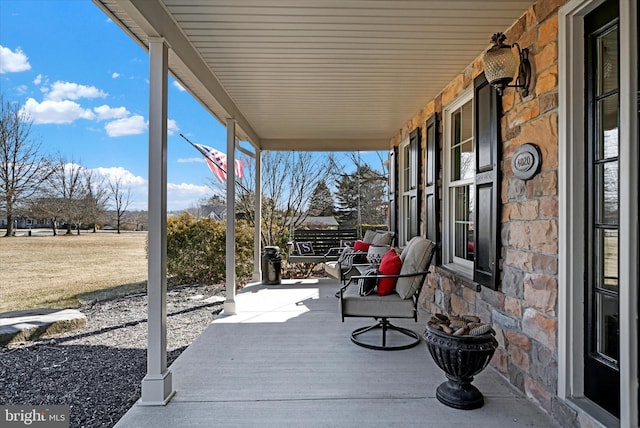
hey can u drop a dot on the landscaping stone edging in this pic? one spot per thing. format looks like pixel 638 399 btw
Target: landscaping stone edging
pixel 22 326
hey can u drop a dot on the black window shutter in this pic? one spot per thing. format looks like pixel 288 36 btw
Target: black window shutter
pixel 431 194
pixel 487 185
pixel 414 183
pixel 393 190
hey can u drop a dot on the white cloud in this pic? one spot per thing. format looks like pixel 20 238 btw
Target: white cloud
pixel 73 91
pixel 22 89
pixel 129 181
pixel 126 177
pixel 179 196
pixel 55 111
pixel 13 62
pixel 38 79
pixel 191 160
pixel 115 75
pixel 179 86
pixel 172 127
pixel 105 112
pixel 72 166
pixel 185 195
pixel 133 125
pixel 189 188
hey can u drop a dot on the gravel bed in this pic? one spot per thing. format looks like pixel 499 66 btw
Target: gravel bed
pixel 97 369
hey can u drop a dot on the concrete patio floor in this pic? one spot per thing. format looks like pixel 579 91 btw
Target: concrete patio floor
pixel 285 359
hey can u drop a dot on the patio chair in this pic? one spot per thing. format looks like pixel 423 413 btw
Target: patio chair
pixel 344 267
pixel 401 303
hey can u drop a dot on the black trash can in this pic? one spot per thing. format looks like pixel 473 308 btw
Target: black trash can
pixel 271 265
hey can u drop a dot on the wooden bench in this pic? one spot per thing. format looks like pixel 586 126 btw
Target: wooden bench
pixel 326 244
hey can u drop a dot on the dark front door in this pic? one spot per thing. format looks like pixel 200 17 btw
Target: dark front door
pixel 602 337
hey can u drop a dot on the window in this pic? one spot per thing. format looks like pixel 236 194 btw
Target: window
pixel 408 173
pixel 405 174
pixel 431 191
pixel 466 223
pixel 459 183
pixel 471 184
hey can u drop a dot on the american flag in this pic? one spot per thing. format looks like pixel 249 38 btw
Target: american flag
pixel 217 162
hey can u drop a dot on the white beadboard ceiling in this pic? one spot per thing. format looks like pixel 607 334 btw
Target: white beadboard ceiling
pixel 323 75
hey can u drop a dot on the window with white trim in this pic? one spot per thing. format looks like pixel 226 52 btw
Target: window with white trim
pixel 459 177
pixel 405 173
pixel 407 182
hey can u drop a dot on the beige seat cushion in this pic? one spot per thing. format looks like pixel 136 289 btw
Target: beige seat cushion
pixel 333 269
pixel 417 258
pixel 389 306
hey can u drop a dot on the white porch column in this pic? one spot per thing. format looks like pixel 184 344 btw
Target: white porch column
pixel 257 247
pixel 230 302
pixel 157 387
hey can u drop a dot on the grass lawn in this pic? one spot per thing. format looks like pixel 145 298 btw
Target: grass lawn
pixel 59 271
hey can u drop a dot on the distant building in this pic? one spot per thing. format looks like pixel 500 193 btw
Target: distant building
pixel 316 222
pixel 26 223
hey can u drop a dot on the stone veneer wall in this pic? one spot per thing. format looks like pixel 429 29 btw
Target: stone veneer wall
pixel 524 310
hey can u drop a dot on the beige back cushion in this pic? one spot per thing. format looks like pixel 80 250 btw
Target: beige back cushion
pixel 418 255
pixel 368 236
pixel 382 238
pixel 405 250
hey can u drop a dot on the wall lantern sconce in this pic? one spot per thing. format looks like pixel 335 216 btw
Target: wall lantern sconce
pixel 500 65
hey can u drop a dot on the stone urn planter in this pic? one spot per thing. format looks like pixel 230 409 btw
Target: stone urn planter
pixel 461 357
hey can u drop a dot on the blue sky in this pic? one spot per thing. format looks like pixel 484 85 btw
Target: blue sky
pixel 84 83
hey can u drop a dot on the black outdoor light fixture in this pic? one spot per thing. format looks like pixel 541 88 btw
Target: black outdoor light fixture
pixel 500 65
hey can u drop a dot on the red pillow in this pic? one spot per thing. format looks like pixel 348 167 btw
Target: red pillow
pixel 390 265
pixel 361 246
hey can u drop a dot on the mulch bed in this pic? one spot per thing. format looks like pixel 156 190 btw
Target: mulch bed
pixel 97 370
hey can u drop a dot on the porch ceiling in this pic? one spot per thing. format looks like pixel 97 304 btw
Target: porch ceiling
pixel 316 75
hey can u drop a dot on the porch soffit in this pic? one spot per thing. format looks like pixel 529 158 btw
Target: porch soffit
pixel 324 75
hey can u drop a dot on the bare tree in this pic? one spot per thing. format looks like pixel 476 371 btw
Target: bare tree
pixel 46 207
pixel 288 182
pixel 96 199
pixel 66 193
pixel 23 167
pixel 121 197
pixel 140 219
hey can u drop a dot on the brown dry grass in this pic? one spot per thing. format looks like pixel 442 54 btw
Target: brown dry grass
pixel 59 271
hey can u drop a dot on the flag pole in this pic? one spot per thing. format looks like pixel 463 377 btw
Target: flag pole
pixel 236 181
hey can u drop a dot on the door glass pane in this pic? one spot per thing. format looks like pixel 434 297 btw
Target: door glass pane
pixel 607 340
pixel 605 185
pixel 607 129
pixel 607 69
pixel 606 268
pixel 463 224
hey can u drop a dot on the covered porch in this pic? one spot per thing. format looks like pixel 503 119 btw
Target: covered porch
pixel 317 76
pixel 400 75
pixel 285 359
